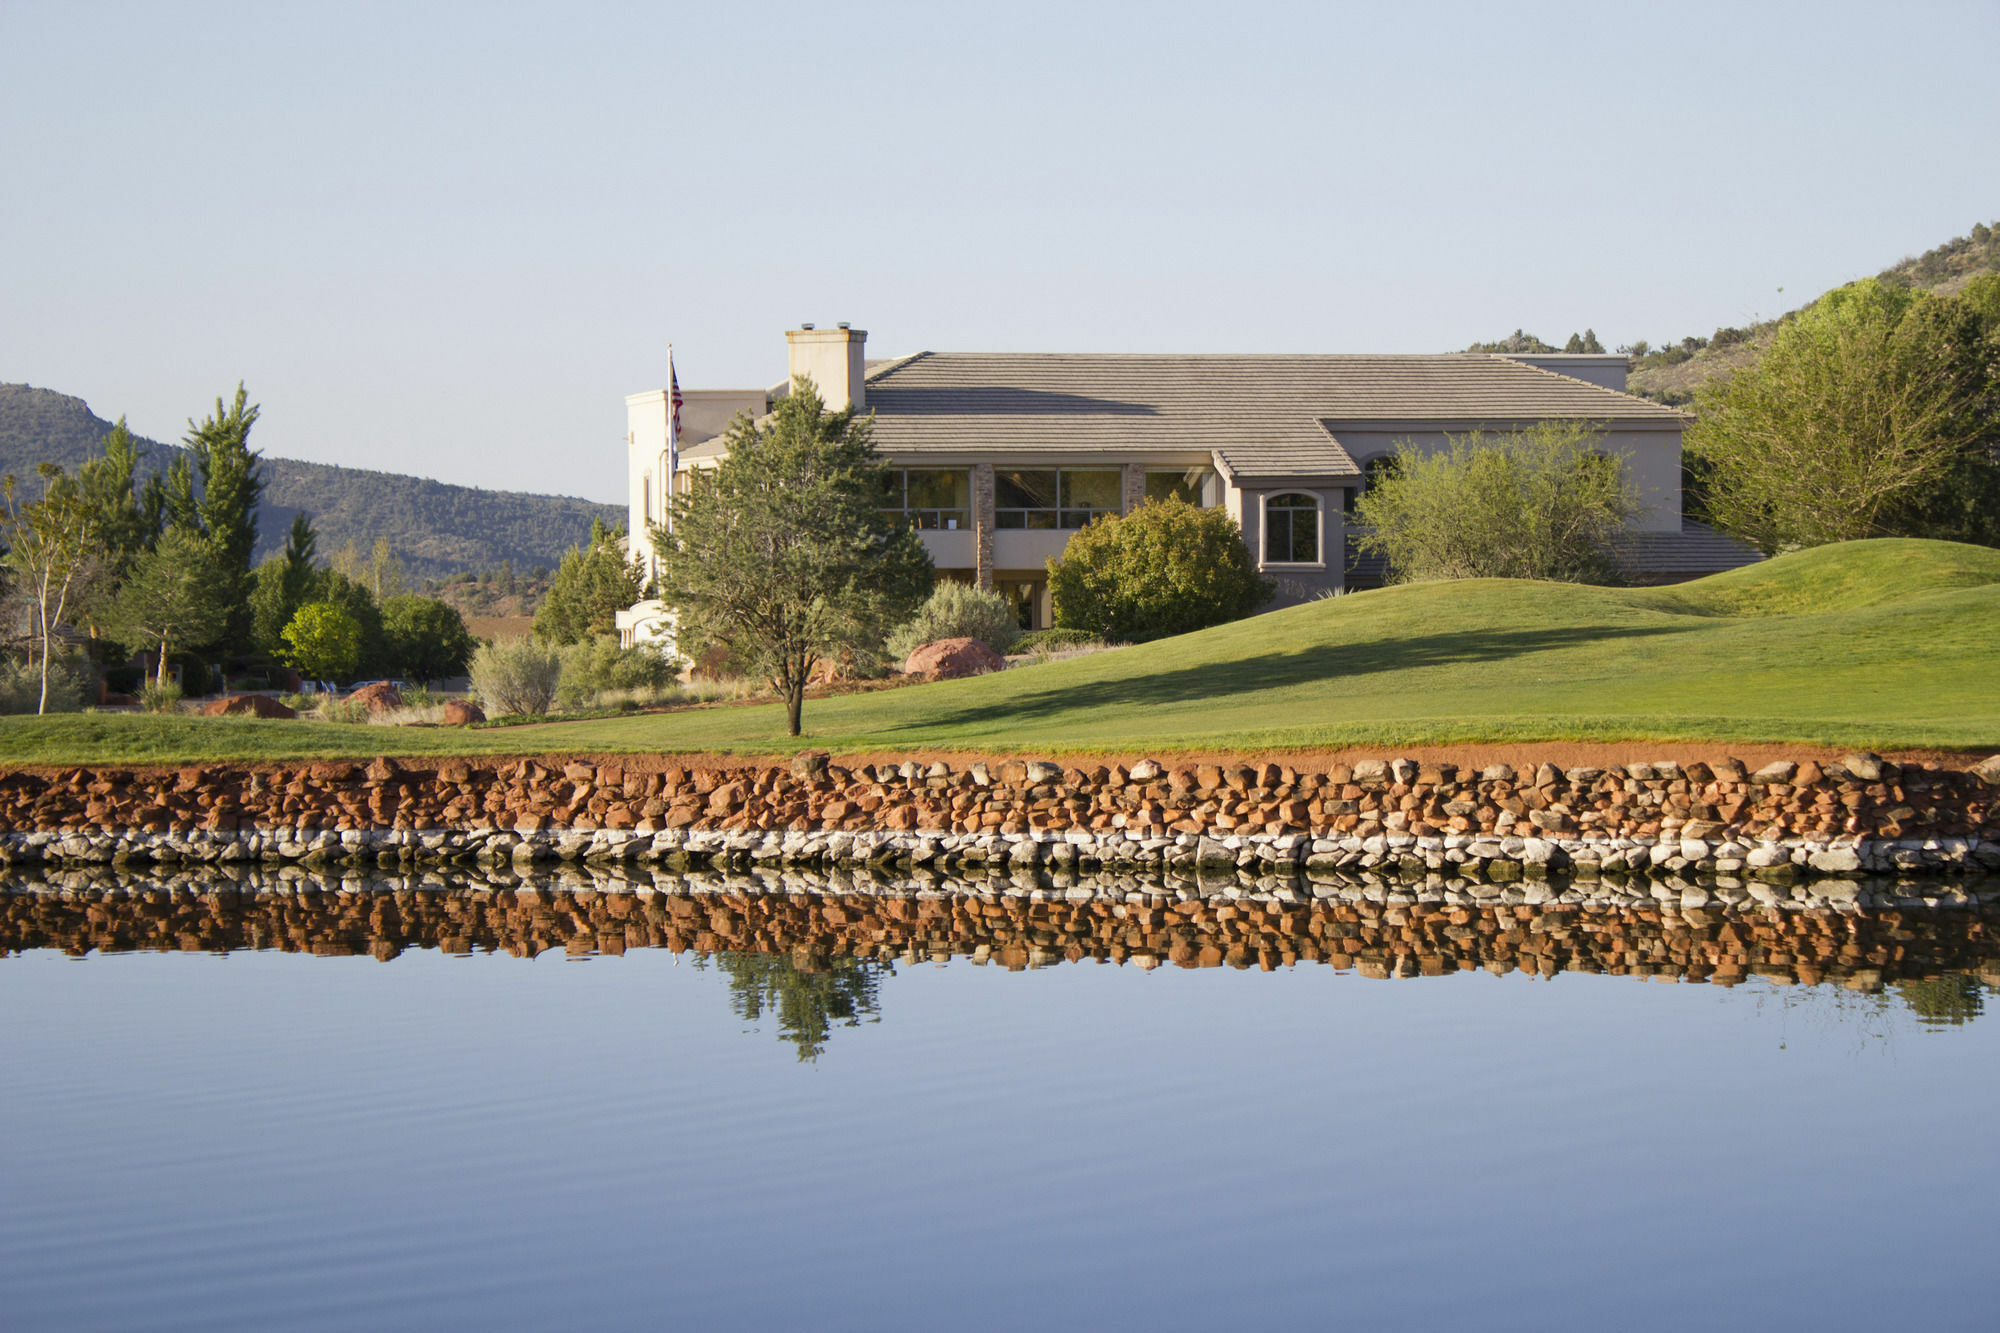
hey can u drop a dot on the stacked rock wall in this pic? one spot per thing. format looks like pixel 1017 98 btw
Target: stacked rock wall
pixel 1861 814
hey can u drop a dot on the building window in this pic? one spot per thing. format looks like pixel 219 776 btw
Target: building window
pixel 1291 529
pixel 928 499
pixel 646 488
pixel 1382 467
pixel 1069 498
pixel 1199 486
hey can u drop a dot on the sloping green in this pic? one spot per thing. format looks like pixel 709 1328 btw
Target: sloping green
pixel 1890 644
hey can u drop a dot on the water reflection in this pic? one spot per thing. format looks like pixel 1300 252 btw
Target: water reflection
pixel 808 953
pixel 807 994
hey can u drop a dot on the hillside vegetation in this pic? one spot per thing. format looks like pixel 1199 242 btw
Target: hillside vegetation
pixel 1879 643
pixel 1673 373
pixel 436 529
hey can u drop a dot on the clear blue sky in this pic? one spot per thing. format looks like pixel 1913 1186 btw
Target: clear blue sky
pixel 448 239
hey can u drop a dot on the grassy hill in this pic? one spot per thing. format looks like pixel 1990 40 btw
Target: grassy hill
pixel 1881 643
pixel 435 528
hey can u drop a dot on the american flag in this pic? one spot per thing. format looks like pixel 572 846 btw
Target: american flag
pixel 673 396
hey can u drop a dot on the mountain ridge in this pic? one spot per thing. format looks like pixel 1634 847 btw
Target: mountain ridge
pixel 436 528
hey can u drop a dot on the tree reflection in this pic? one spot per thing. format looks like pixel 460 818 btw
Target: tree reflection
pixel 1948 1001
pixel 808 993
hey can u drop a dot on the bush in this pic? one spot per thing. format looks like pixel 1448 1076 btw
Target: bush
pixel 70 684
pixel 1054 640
pixel 599 667
pixel 958 611
pixel 156 697
pixel 1540 503
pixel 351 711
pixel 516 676
pixel 1165 568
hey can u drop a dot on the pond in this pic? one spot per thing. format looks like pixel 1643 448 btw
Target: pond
pixel 270 1100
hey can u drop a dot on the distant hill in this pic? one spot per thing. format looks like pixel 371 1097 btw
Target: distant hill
pixel 436 529
pixel 1672 372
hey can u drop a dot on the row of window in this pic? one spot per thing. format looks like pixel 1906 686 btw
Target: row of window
pixel 937 499
pixel 1057 499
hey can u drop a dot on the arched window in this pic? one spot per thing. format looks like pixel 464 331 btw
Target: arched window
pixel 1291 529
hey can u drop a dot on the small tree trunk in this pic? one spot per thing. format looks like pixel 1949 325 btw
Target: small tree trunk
pixel 160 676
pixel 795 700
pixel 42 708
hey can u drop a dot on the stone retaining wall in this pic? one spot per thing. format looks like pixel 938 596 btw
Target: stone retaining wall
pixel 1862 814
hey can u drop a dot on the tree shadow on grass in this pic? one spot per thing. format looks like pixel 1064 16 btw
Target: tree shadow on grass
pixel 1220 681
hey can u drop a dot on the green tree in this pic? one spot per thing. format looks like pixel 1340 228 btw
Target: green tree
pixel 336 589
pixel 323 641
pixel 425 639
pixel 1540 503
pixel 593 583
pixel 171 598
pixel 55 551
pixel 124 528
pixel 781 555
pixel 1165 568
pixel 282 584
pixel 212 491
pixel 1870 414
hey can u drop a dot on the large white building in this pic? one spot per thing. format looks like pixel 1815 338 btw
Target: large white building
pixel 1000 457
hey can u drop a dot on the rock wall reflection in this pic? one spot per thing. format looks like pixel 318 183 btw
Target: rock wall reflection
pixel 814 920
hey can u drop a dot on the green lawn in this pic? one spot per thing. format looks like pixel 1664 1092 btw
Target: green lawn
pixel 1890 644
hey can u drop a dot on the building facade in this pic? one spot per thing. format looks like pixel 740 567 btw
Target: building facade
pixel 999 458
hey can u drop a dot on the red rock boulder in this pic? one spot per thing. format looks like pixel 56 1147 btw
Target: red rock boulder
pixel 462 713
pixel 950 659
pixel 380 697
pixel 246 705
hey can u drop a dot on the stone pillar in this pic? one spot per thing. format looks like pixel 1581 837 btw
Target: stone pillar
pixel 982 522
pixel 1135 486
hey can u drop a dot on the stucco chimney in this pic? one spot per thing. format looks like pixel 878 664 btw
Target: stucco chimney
pixel 833 359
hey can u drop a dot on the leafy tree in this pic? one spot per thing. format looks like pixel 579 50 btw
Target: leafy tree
pixel 1165 568
pixel 222 508
pixel 336 589
pixel 781 556
pixel 171 597
pixel 324 641
pixel 425 639
pixel 283 584
pixel 593 583
pixel 1540 503
pixel 55 550
pixel 124 528
pixel 1872 413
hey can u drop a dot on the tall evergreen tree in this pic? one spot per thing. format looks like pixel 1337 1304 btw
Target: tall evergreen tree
pixel 211 492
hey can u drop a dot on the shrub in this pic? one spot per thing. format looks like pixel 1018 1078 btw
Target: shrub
pixel 160 697
pixel 1539 503
pixel 517 676
pixel 70 683
pixel 1165 568
pixel 599 667
pixel 351 711
pixel 958 611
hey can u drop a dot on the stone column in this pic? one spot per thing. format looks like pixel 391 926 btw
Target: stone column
pixel 1135 486
pixel 982 522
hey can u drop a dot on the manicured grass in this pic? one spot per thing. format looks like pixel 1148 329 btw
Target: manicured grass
pixel 1890 644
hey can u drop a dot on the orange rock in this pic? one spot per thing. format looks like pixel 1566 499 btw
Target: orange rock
pixel 246 705
pixel 951 659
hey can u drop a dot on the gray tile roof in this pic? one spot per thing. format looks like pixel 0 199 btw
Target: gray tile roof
pixel 1259 415
pixel 1695 550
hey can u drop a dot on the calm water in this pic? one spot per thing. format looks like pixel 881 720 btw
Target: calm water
pixel 472 1108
